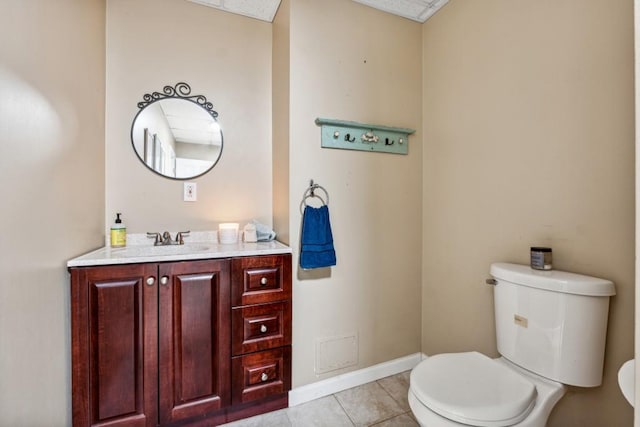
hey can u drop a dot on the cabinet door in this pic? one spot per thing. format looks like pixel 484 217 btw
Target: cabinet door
pixel 194 339
pixel 114 345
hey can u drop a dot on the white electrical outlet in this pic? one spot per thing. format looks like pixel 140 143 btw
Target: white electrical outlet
pixel 190 192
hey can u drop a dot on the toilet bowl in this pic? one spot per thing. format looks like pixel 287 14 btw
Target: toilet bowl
pixel 551 332
pixel 493 392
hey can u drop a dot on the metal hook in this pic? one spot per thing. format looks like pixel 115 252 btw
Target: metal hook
pixel 348 138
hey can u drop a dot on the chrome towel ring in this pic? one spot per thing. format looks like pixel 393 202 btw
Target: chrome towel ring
pixel 310 192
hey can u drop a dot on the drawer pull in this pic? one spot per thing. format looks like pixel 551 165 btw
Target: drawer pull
pixel 151 281
pixel 263 281
pixel 264 376
pixel 263 328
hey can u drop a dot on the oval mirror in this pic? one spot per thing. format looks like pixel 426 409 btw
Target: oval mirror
pixel 176 134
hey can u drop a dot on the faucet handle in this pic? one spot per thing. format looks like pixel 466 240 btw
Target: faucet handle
pixel 180 235
pixel 157 236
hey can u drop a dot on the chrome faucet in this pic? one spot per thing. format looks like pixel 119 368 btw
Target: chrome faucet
pixel 165 239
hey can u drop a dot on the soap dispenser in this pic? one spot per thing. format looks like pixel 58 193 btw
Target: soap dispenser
pixel 118 233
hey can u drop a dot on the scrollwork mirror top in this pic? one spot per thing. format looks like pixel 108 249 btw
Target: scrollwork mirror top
pixel 175 134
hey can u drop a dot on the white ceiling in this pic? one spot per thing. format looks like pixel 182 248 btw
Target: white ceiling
pixel 265 10
pixel 189 123
pixel 416 10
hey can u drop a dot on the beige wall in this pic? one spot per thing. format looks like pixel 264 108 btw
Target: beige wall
pixel 223 56
pixel 528 118
pixel 52 192
pixel 280 111
pixel 527 111
pixel 636 7
pixel 351 62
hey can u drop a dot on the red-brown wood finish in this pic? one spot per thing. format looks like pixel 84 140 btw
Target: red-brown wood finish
pixel 268 404
pixel 258 280
pixel 260 327
pixel 260 375
pixel 114 319
pixel 261 334
pixel 159 352
pixel 194 339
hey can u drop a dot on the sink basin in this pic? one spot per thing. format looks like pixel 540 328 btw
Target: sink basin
pixel 179 249
pixel 147 251
pixel 626 376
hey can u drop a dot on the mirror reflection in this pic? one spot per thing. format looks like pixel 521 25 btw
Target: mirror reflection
pixel 177 135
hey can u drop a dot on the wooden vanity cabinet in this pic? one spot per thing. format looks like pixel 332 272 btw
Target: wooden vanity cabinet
pixel 152 343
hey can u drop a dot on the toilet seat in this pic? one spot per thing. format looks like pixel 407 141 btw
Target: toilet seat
pixel 471 388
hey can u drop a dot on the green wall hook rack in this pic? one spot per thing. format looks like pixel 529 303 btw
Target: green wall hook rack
pixel 364 137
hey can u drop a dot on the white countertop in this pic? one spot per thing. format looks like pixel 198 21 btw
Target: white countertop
pixel 201 246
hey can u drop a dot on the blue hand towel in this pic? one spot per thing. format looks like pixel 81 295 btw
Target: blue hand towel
pixel 317 249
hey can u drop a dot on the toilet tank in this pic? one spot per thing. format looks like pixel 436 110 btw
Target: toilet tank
pixel 552 323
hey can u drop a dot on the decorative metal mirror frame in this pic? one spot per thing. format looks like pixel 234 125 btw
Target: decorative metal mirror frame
pixel 181 90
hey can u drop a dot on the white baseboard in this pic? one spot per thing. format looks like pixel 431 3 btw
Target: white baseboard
pixel 341 382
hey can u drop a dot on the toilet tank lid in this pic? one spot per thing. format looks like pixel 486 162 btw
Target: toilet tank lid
pixel 552 280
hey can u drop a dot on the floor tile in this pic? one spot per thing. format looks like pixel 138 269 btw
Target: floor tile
pixel 398 387
pixel 368 404
pixel 404 420
pixel 277 418
pixel 324 412
pixel 247 422
pixel 382 403
pixel 270 419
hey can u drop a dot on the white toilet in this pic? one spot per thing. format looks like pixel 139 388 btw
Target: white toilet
pixel 551 328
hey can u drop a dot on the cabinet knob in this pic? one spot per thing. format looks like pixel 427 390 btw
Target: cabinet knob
pixel 263 328
pixel 264 376
pixel 151 281
pixel 263 281
pixel 164 280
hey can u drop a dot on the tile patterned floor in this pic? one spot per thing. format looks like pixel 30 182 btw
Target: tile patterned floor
pixel 381 403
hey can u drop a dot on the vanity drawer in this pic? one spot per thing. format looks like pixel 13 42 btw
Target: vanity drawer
pixel 257 280
pixel 259 375
pixel 260 327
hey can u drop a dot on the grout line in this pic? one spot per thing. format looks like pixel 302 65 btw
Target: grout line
pixel 379 421
pixel 286 413
pixel 388 419
pixel 389 393
pixel 343 409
